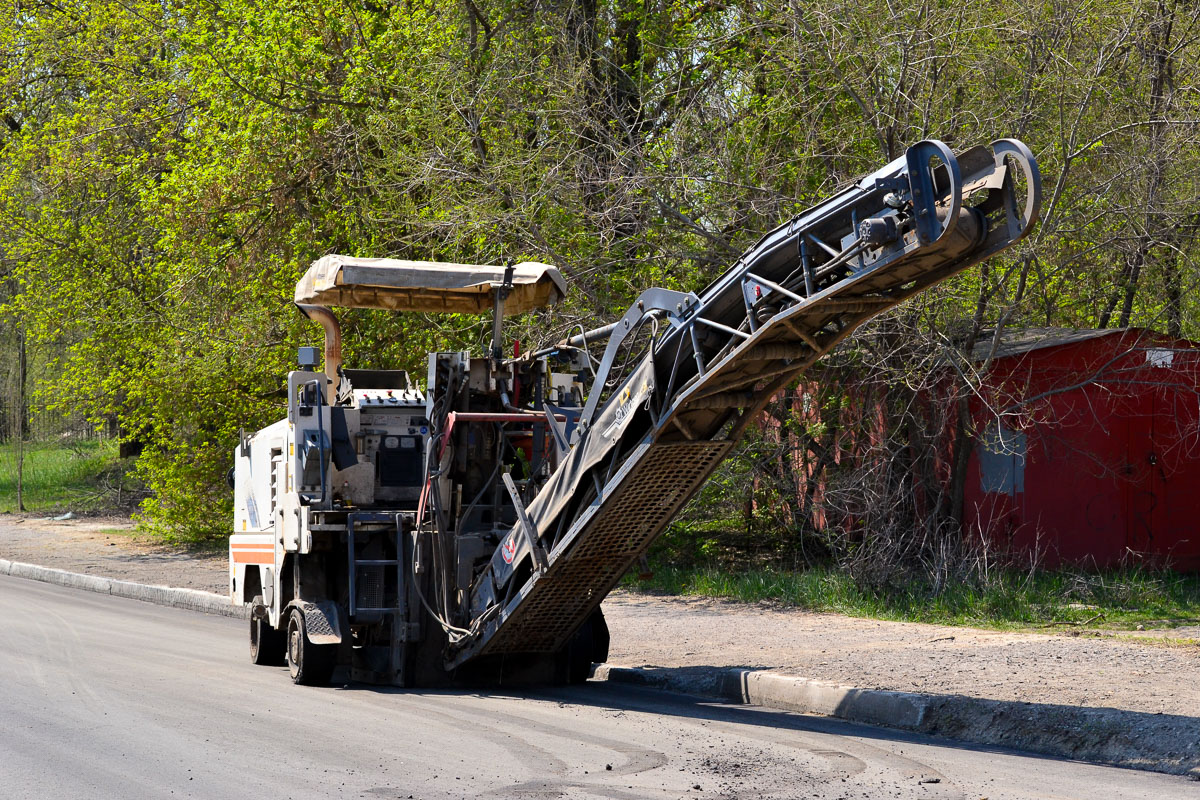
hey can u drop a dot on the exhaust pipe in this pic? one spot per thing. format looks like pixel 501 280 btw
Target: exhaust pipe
pixel 333 346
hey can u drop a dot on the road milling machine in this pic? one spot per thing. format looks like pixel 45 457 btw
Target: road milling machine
pixel 466 529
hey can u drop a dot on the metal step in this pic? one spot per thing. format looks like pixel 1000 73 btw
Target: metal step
pixel 372 584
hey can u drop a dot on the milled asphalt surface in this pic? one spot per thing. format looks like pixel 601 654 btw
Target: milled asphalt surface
pixel 1100 697
pixel 1108 701
pixel 104 697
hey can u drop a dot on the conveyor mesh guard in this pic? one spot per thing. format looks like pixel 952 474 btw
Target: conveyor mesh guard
pixel 666 477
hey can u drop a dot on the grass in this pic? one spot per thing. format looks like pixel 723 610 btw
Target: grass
pixel 58 477
pixel 1114 600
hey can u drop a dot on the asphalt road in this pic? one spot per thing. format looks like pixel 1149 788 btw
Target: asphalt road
pixel 110 698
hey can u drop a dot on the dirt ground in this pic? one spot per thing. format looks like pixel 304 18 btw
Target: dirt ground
pixel 109 547
pixel 1136 675
pixel 1153 675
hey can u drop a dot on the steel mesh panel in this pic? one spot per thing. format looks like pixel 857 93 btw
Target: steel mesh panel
pixel 647 499
pixel 368 584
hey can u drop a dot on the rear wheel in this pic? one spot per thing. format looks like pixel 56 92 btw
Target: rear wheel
pixel 310 664
pixel 266 643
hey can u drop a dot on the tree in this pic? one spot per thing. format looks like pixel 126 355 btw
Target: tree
pixel 167 172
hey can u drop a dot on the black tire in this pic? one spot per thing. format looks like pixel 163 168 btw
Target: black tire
pixel 310 664
pixel 588 646
pixel 600 637
pixel 266 644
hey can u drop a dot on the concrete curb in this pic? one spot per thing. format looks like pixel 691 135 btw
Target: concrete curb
pixel 190 599
pixel 1138 740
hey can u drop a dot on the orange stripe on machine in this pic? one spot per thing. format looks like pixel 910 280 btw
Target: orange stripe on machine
pixel 247 557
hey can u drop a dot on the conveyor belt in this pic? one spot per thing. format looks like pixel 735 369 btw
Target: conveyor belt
pixel 789 300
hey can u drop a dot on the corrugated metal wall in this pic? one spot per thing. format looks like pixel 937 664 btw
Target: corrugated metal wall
pixel 1090 453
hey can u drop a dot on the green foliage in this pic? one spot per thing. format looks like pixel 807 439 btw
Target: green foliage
pixel 168 170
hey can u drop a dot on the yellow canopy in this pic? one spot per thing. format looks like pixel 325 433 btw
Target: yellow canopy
pixel 397 285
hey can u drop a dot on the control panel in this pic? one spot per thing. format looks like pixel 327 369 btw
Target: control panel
pixel 391 435
pixel 384 398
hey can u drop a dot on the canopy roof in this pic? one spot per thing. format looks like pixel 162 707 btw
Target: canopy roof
pixel 426 285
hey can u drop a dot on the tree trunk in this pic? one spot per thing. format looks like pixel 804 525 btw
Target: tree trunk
pixel 1142 259
pixel 1174 298
pixel 962 458
pixel 963 434
pixel 22 419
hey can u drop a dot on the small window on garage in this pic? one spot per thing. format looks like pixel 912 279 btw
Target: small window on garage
pixel 1001 453
pixel 1160 358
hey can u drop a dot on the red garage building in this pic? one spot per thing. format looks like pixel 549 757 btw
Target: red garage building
pixel 1089 447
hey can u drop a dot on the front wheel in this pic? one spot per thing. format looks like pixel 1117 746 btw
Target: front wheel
pixel 310 664
pixel 266 644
